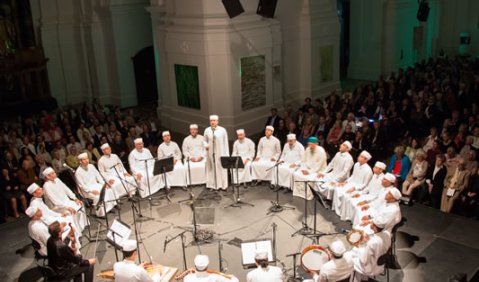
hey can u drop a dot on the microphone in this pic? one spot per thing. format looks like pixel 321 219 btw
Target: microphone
pixel 164 245
pixel 68 167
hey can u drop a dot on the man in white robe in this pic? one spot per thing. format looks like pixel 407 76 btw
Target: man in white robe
pixel 338 268
pixel 388 211
pixel 290 161
pixel 314 161
pixel 61 197
pixel 202 275
pixel 355 195
pixel 140 159
pixel 338 170
pixel 128 271
pixel 269 151
pixel 91 183
pixel 194 157
pixel 217 146
pixel 176 177
pixel 360 177
pixel 244 148
pixel 112 169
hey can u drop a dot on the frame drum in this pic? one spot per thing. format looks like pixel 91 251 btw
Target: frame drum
pixel 313 258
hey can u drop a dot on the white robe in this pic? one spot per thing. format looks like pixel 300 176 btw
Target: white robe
pixel 359 179
pixel 269 274
pixel 375 207
pixel 89 180
pixel 129 271
pixel 217 143
pixel 207 277
pixel 268 148
pixel 336 269
pixel 194 147
pixel 312 162
pixel 61 197
pixel 138 166
pixel 365 256
pixel 349 205
pixel 338 170
pixel 38 231
pixel 245 149
pixel 111 167
pixel 176 177
pixel 50 216
pixel 283 174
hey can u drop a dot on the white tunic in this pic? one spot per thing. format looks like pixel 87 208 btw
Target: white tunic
pixel 61 197
pixel 176 177
pixel 268 148
pixel 38 231
pixel 377 203
pixel 207 277
pixel 149 183
pixel 49 216
pixel 269 274
pixel 217 143
pixel 312 162
pixel 336 269
pixel 89 180
pixel 129 271
pixel 337 171
pixel 112 168
pixel 245 149
pixel 359 179
pixel 349 205
pixel 194 147
pixel 291 157
pixel 365 257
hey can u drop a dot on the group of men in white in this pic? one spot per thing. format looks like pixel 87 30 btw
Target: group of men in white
pixel 367 197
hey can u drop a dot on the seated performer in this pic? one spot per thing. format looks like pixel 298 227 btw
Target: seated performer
pixel 291 157
pixel 354 195
pixel 194 157
pixel 62 198
pixel 112 169
pixel 264 271
pixel 176 177
pixel 269 150
pixel 387 209
pixel 313 161
pixel 62 258
pixel 339 268
pixel 362 173
pixel 141 159
pixel 337 170
pixel 201 272
pixel 128 271
pixel 90 184
pixel 245 148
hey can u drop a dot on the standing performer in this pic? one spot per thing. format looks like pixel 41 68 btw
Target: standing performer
pixel 201 272
pixel 194 156
pixel 61 197
pixel 291 157
pixel 90 184
pixel 269 151
pixel 245 148
pixel 176 177
pixel 112 168
pixel 128 271
pixel 264 272
pixel 216 143
pixel 314 161
pixel 139 159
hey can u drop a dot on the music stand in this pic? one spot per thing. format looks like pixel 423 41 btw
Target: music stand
pixel 162 166
pixel 117 234
pixel 235 163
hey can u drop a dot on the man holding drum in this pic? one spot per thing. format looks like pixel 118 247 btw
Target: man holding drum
pixel 339 268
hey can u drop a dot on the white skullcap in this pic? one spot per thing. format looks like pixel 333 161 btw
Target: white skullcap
pixel 337 248
pixel 261 254
pixel 366 154
pixel 348 144
pixel 390 177
pixel 395 193
pixel 129 245
pixel 31 211
pixel 201 262
pixel 82 156
pixel 32 188
pixel 165 133
pixel 270 127
pixel 214 117
pixel 240 131
pixel 47 171
pixel 193 126
pixel 138 140
pixel 291 136
pixel 379 221
pixel 104 146
pixel 380 165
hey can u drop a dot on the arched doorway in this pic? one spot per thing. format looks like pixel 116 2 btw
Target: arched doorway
pixel 145 76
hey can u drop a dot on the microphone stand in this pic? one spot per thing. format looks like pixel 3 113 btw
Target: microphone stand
pixel 305 230
pixel 183 247
pixel 214 158
pixel 148 178
pixel 275 205
pixel 294 278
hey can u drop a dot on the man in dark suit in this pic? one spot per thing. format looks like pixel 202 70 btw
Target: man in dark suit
pixel 434 183
pixel 273 120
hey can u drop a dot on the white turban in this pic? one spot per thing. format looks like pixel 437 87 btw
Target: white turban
pixel 31 211
pixel 348 144
pixel 82 156
pixel 269 127
pixel 104 146
pixel 193 126
pixel 390 177
pixel 240 131
pixel 129 245
pixel 47 171
pixel 201 262
pixel 165 133
pixel 366 154
pixel 261 255
pixel 337 248
pixel 32 188
pixel 138 140
pixel 395 193
pixel 214 117
pixel 291 136
pixel 380 165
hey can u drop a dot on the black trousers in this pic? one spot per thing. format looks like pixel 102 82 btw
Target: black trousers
pixel 77 271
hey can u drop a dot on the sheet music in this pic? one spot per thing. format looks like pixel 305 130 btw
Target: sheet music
pixel 121 231
pixel 450 192
pixel 248 250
